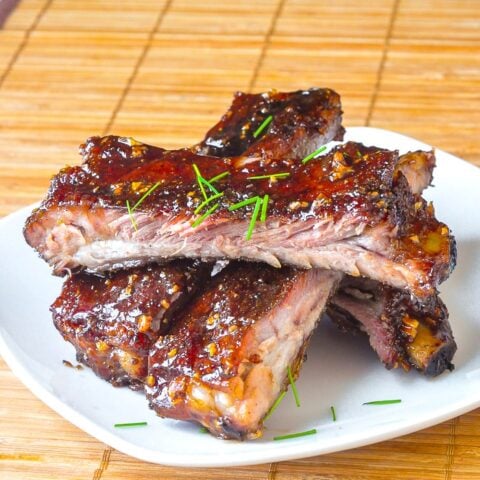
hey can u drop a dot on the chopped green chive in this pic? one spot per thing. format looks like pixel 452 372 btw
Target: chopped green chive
pixel 258 204
pixel 294 387
pixel 207 201
pixel 243 203
pixel 314 154
pixel 334 415
pixel 263 126
pixel 276 403
pixel 273 175
pixel 218 177
pixel 145 195
pixel 383 402
pixel 209 185
pixel 200 220
pixel 203 430
pixel 130 214
pixel 202 181
pixel 135 424
pixel 263 215
pixel 296 435
pixel 253 221
pixel 199 177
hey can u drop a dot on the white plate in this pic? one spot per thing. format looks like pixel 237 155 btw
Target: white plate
pixel 340 370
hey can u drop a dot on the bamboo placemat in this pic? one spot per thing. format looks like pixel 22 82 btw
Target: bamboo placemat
pixel 163 71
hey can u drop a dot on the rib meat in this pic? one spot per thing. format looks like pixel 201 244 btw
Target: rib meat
pixel 402 330
pixel 113 320
pixel 313 113
pixel 417 167
pixel 347 210
pixel 225 359
pixel 86 206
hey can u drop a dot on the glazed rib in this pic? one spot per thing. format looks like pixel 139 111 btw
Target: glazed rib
pixel 346 211
pixel 225 360
pixel 113 320
pixel 402 330
pixel 302 121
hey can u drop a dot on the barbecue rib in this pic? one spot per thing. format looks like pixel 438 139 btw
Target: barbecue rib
pixel 347 211
pixel 401 330
pixel 225 359
pixel 112 321
pixel 314 113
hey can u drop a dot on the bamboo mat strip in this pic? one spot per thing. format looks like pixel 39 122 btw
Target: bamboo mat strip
pixel 266 45
pixel 381 65
pixel 138 64
pixel 72 69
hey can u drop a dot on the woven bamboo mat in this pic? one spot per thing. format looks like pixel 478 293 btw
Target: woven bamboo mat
pixel 163 71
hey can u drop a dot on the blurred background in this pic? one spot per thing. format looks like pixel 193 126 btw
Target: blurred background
pixel 163 71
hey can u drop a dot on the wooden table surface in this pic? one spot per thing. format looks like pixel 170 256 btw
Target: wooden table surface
pixel 163 71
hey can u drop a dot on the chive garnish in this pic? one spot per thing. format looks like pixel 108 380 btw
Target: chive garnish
pixel 243 203
pixel 263 215
pixel 134 424
pixel 202 181
pixel 276 403
pixel 334 415
pixel 296 435
pixel 209 185
pixel 207 201
pixel 273 175
pixel 203 430
pixel 258 204
pixel 263 126
pixel 130 214
pixel 145 195
pixel 219 177
pixel 314 154
pixel 294 387
pixel 200 184
pixel 253 221
pixel 382 402
pixel 200 220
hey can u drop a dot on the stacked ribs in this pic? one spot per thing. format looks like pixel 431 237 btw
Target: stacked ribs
pixel 201 285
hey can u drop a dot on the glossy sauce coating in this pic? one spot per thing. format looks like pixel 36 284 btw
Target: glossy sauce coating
pixel 113 320
pixel 212 328
pixel 212 340
pixel 304 113
pixel 351 179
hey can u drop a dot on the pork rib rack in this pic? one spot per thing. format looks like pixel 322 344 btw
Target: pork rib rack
pixel 348 210
pixel 402 330
pixel 113 320
pixel 225 359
